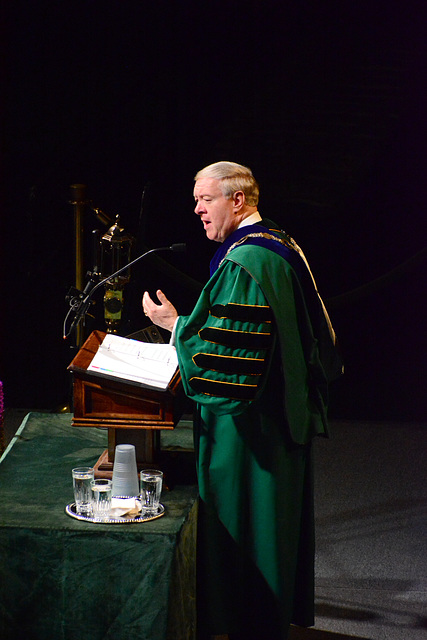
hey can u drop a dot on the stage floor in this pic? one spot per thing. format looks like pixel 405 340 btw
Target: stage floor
pixel 371 561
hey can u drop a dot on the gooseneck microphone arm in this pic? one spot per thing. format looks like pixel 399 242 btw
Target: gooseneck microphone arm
pixel 81 305
pixel 173 247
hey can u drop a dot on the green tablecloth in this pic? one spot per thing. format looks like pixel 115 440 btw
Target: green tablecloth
pixel 62 578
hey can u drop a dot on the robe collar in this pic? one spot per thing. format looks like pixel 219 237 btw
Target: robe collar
pixel 241 232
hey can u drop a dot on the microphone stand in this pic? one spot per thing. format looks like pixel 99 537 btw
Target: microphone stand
pixel 83 301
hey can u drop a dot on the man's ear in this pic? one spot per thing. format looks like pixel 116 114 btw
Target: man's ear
pixel 239 200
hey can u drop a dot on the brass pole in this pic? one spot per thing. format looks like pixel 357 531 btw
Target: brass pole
pixel 79 201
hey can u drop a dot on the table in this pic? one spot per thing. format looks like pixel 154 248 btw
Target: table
pixel 64 579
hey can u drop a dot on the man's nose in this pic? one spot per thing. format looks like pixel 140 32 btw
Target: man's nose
pixel 198 208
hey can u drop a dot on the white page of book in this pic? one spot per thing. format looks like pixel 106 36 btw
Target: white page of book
pixel 144 362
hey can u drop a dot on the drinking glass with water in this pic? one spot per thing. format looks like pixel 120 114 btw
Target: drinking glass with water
pixel 151 488
pixel 101 489
pixel 82 477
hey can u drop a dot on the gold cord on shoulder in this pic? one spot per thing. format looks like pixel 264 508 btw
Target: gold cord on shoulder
pixel 291 244
pixel 267 236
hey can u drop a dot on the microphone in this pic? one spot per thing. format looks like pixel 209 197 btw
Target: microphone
pixel 82 307
pixel 180 246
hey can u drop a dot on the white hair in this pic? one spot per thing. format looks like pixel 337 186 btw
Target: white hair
pixel 232 177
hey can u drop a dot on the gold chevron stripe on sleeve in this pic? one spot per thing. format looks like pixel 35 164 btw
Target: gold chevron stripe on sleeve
pixel 223 389
pixel 229 364
pixel 251 340
pixel 243 312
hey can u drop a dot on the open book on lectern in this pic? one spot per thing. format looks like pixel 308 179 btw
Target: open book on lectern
pixel 150 364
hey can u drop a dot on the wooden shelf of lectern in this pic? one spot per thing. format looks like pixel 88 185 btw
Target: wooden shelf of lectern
pixel 134 414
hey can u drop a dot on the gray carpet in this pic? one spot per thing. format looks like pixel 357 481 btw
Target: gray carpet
pixel 371 566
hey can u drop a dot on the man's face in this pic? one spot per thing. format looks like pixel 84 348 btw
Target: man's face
pixel 215 211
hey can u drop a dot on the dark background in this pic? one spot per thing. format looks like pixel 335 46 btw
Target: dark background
pixel 324 101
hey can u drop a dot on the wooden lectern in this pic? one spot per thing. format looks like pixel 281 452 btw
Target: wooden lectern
pixel 133 414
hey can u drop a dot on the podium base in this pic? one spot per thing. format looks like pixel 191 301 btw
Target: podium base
pixel 104 467
pixel 178 466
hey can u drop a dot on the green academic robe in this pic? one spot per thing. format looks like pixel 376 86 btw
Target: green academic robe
pixel 249 358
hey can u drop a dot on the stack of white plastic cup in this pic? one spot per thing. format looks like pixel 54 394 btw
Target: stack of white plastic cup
pixel 125 474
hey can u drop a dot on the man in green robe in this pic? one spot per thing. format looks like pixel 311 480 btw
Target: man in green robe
pixel 256 355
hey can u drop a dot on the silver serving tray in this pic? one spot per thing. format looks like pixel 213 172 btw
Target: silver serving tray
pixel 70 510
